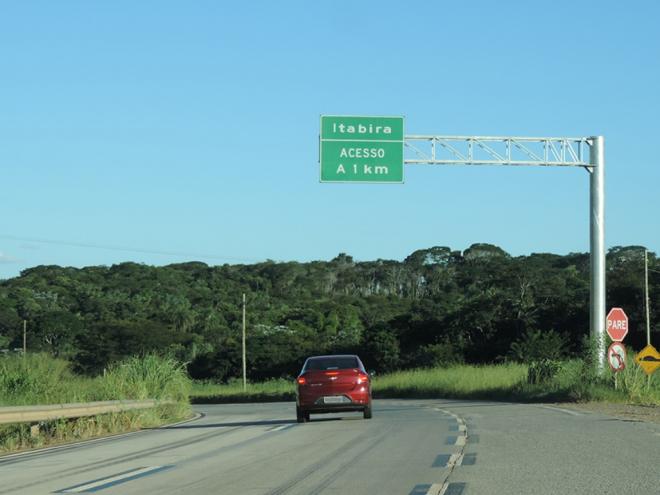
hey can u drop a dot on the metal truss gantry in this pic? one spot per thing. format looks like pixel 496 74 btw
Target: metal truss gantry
pixel 488 150
pixel 586 152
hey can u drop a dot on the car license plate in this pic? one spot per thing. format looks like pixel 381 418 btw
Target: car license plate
pixel 335 399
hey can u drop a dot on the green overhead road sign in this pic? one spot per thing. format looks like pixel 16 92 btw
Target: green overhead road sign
pixel 361 149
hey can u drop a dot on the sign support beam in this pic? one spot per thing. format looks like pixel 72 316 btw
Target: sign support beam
pixel 542 151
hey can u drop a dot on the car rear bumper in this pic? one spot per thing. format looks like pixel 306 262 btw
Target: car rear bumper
pixel 332 408
pixel 351 401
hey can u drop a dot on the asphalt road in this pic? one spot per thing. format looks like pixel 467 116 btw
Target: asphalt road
pixel 409 447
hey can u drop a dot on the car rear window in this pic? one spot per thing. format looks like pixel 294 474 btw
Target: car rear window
pixel 331 363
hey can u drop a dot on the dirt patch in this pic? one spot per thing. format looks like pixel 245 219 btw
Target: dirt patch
pixel 650 414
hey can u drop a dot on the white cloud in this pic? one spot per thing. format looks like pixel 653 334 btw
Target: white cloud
pixel 5 258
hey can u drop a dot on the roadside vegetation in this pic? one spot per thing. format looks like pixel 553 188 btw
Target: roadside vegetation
pixel 437 307
pixel 38 379
pixel 566 381
pixel 208 392
pixel 473 324
pixel 542 381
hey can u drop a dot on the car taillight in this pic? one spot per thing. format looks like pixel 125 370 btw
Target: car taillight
pixel 331 373
pixel 301 380
pixel 362 378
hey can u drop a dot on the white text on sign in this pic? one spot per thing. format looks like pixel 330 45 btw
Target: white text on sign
pixel 617 324
pixel 365 169
pixel 362 153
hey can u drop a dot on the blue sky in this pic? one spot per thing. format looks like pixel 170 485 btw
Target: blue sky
pixel 189 130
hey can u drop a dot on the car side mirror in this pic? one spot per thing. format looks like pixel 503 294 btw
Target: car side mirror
pixel 372 373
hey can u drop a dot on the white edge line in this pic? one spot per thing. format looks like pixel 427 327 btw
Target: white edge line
pixel 559 409
pixel 282 427
pixel 111 479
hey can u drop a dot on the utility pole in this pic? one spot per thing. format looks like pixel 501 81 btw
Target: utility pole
pixel 24 338
pixel 646 296
pixel 244 366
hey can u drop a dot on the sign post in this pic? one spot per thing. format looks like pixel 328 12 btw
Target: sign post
pixel 342 137
pixel 617 329
pixel 361 149
pixel 616 357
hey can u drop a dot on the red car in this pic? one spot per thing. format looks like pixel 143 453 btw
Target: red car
pixel 329 384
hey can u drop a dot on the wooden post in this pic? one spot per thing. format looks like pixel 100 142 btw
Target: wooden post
pixel 646 296
pixel 244 364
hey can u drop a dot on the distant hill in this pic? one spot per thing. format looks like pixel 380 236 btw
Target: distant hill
pixel 437 306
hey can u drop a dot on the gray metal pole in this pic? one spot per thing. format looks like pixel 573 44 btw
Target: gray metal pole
pixel 244 365
pixel 597 243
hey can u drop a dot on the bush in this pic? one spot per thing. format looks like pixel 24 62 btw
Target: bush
pixel 382 350
pixel 437 355
pixel 537 345
pixel 542 371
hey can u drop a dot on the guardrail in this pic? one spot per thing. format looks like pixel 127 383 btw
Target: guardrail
pixel 36 414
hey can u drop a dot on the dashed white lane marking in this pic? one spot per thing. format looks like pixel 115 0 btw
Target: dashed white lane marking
pixel 461 439
pixel 455 460
pixel 559 409
pixel 436 489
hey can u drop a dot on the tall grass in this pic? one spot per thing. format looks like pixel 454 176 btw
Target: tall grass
pixel 37 379
pixel 460 381
pixel 456 381
pixel 573 380
pixel 147 377
pixel 637 386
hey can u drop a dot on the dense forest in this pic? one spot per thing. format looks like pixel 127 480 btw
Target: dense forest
pixel 437 306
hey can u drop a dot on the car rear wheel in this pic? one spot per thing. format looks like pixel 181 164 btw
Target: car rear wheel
pixel 367 412
pixel 301 416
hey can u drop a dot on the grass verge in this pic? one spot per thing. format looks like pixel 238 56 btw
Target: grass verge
pixel 204 392
pixel 40 379
pixel 571 381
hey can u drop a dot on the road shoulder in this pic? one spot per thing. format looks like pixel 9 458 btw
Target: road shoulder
pixel 629 412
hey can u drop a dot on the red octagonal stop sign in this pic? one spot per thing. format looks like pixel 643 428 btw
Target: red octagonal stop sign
pixel 617 324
